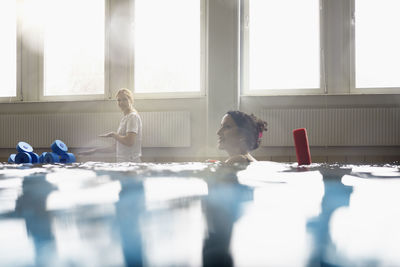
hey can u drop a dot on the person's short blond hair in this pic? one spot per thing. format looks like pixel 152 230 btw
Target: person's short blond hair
pixel 127 93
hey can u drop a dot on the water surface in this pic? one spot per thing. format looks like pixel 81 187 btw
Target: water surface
pixel 194 214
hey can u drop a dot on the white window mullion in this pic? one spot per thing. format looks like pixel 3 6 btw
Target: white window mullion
pixel 352 48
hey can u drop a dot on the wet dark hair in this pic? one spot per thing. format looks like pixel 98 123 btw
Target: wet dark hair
pixel 250 126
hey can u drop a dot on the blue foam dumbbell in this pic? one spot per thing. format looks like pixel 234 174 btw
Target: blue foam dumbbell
pixel 67 158
pixel 23 157
pixel 41 158
pixel 59 147
pixel 24 147
pixel 35 157
pixel 51 157
pixel 11 158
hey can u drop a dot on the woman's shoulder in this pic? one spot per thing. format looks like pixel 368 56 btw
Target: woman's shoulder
pixel 134 114
pixel 240 159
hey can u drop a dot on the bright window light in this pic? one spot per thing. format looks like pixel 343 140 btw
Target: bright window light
pixel 377 43
pixel 74 35
pixel 284 44
pixel 8 49
pixel 167 46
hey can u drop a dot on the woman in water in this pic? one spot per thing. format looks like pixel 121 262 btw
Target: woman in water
pixel 239 134
pixel 128 138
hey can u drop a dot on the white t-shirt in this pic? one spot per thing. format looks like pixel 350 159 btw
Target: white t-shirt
pixel 130 123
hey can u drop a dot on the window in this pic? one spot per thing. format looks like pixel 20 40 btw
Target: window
pixel 74 47
pixel 167 46
pixel 281 46
pixel 377 43
pixel 8 49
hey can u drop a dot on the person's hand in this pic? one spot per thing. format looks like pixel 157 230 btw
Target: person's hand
pixel 110 134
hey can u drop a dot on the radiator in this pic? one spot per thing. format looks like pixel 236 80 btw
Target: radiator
pixel 325 127
pixel 334 126
pixel 160 129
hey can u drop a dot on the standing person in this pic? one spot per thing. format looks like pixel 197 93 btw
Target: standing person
pixel 239 134
pixel 128 138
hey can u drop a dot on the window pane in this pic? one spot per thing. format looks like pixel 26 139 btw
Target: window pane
pixel 8 49
pixel 284 44
pixel 74 47
pixel 167 46
pixel 377 48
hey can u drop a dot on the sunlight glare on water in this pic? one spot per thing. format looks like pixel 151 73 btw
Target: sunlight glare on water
pixel 79 187
pixel 278 218
pixel 368 228
pixel 10 249
pixel 167 188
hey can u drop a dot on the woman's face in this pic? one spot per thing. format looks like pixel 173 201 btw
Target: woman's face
pixel 123 102
pixel 229 137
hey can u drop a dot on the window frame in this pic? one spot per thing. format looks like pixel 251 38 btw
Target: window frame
pixel 353 88
pixel 107 93
pixel 29 84
pixel 19 96
pixel 203 62
pixel 18 76
pixel 244 60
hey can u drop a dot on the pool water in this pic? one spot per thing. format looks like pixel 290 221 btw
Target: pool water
pixel 199 214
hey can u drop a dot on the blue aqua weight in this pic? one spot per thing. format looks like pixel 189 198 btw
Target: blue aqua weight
pixel 51 157
pixel 59 147
pixel 35 157
pixel 41 158
pixel 72 158
pixel 11 158
pixel 67 158
pixel 26 155
pixel 24 147
pixel 23 157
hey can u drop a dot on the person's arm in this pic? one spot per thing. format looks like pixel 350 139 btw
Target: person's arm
pixel 131 130
pixel 107 149
pixel 128 139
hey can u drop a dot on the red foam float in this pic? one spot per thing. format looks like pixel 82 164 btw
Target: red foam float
pixel 302 148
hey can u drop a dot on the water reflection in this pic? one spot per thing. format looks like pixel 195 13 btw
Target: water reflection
pixel 31 206
pixel 222 208
pixel 78 187
pixel 172 225
pixel 267 214
pixel 84 209
pixel 129 209
pixel 272 231
pixel 336 195
pixel 14 240
pixel 367 231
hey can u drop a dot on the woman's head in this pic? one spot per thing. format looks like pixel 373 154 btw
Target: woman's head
pixel 240 131
pixel 125 99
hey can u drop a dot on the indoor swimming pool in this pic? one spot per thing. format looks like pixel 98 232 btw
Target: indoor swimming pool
pixel 199 214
